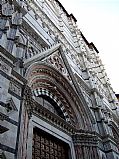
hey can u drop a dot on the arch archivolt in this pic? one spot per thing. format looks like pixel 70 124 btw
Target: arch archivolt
pixel 43 91
pixel 48 87
pixel 45 80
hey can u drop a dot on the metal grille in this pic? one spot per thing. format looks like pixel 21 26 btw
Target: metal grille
pixel 45 146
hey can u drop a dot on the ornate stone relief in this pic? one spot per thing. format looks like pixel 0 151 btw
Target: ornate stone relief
pixel 17 18
pixel 4 67
pixel 15 88
pixel 107 115
pixel 94 70
pixel 56 61
pixel 97 84
pixel 7 8
pixel 48 89
pixel 86 142
pixel 85 138
pixel 52 118
pixel 29 102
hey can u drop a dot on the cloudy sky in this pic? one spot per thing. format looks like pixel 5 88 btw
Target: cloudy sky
pixel 99 22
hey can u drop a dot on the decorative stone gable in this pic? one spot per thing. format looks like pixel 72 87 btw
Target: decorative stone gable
pixel 57 62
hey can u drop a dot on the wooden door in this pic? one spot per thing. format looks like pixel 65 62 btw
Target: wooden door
pixel 45 146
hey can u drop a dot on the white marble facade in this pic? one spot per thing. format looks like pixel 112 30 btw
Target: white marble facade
pixel 42 47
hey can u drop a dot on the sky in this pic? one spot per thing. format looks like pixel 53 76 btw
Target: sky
pixel 99 22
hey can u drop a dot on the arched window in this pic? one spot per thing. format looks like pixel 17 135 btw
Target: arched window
pixel 50 104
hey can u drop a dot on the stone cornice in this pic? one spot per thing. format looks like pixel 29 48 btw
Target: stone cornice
pixel 89 44
pixel 6 61
pixel 7 54
pixel 68 15
pixel 18 76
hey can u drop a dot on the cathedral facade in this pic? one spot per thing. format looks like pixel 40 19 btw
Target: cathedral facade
pixel 56 101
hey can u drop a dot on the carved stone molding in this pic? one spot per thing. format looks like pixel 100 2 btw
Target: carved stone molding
pixel 15 88
pixel 56 61
pixel 28 101
pixel 4 67
pixel 57 121
pixel 85 145
pixel 46 90
pixel 86 139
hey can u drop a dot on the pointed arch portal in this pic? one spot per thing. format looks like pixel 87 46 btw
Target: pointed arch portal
pixel 47 81
pixel 55 101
